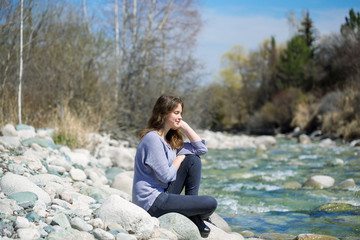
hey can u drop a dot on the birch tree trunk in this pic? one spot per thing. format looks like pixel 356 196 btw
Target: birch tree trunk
pixel 86 16
pixel 21 58
pixel 117 52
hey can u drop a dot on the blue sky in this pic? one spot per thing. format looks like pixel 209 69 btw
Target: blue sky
pixel 248 22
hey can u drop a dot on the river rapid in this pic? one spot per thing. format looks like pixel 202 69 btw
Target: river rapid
pixel 249 186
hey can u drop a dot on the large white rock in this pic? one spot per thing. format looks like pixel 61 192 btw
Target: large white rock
pixel 131 217
pixel 22 222
pixel 180 225
pixel 12 183
pixel 124 182
pixel 77 174
pixel 103 235
pixel 97 176
pixel 28 233
pixel 26 132
pixel 217 234
pixel 120 157
pixel 319 182
pixel 10 142
pixel 9 130
pixel 59 160
pixel 80 157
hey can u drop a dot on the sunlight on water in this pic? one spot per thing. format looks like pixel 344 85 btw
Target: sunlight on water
pixel 248 185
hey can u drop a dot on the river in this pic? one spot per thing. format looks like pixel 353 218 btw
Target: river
pixel 248 185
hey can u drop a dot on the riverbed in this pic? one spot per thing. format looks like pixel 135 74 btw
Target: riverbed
pixel 249 186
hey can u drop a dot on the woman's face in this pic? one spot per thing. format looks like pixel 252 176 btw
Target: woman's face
pixel 173 119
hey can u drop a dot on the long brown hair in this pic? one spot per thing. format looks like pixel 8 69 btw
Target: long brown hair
pixel 163 106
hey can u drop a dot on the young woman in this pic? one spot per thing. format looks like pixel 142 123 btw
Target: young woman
pixel 165 165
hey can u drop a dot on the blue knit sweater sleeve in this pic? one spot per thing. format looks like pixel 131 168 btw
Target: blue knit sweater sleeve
pixel 198 148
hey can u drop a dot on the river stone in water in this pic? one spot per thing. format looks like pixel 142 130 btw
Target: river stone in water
pixel 276 236
pixel 182 226
pixel 130 216
pixel 314 237
pixel 292 185
pixel 12 183
pixel 319 182
pixel 346 184
pixel 338 206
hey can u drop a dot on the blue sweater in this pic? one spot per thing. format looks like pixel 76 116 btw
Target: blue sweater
pixel 153 168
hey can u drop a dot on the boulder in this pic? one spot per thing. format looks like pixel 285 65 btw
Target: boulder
pixel 292 185
pixel 77 174
pixel 28 233
pixel 346 184
pixel 81 225
pixel 315 237
pixel 59 160
pixel 80 157
pixel 120 156
pixel 124 182
pixel 9 131
pixel 103 235
pixel 180 225
pixel 220 222
pixel 43 142
pixel 319 182
pixel 326 143
pixel 12 183
pixel 131 217
pixel 8 206
pixel 10 142
pixel 304 139
pixel 25 131
pixel 339 206
pixel 276 236
pixel 21 197
pixel 61 220
pixel 71 234
pixel 217 233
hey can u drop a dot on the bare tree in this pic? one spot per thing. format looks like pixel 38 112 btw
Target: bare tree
pixel 117 51
pixel 21 57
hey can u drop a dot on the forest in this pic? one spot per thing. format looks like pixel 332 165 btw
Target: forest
pixel 102 72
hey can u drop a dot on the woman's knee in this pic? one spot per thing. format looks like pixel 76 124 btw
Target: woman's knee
pixel 193 160
pixel 212 203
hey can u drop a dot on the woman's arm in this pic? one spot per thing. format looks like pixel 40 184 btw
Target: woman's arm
pixel 178 160
pixel 189 132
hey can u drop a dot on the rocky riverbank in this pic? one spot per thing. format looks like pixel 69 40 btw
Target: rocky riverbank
pixel 53 192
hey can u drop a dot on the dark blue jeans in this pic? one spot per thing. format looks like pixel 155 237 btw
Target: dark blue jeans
pixel 190 204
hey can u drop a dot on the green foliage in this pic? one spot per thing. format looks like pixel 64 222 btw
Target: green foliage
pixel 294 62
pixel 66 139
pixel 352 23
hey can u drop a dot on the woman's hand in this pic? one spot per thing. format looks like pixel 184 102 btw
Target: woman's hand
pixel 178 160
pixel 189 132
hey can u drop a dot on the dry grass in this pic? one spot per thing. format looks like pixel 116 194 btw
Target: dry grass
pixel 71 130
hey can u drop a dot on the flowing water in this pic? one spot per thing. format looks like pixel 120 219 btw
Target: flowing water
pixel 248 185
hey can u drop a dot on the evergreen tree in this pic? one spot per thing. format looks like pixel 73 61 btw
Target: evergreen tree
pixel 294 61
pixel 307 31
pixel 352 24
